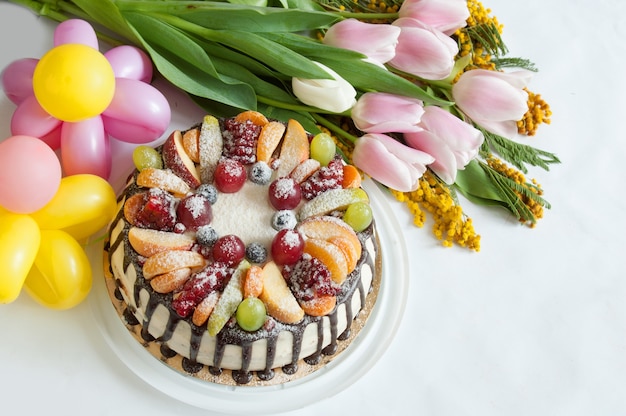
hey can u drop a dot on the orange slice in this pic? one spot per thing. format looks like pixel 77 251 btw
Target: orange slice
pixel 330 255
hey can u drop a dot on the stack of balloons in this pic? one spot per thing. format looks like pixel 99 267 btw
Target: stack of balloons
pixel 54 192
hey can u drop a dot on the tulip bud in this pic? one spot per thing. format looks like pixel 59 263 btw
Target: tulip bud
pixel 423 51
pixel 336 95
pixel 444 15
pixel 390 162
pixel 492 99
pixel 376 41
pixel 377 112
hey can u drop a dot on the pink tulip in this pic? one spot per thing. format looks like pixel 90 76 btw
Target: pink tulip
pixel 376 41
pixel 423 51
pixel 390 162
pixel 444 15
pixel 492 99
pixel 451 141
pixel 377 112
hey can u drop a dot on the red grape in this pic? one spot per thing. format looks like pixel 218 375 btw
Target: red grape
pixel 284 193
pixel 287 247
pixel 194 211
pixel 230 176
pixel 229 249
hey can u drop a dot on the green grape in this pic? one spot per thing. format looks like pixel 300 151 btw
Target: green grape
pixel 323 148
pixel 146 157
pixel 358 215
pixel 251 314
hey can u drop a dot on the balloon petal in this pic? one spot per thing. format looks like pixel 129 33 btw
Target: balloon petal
pixel 61 276
pixel 19 241
pixel 75 31
pixel 17 79
pixel 130 62
pixel 85 148
pixel 29 119
pixel 139 113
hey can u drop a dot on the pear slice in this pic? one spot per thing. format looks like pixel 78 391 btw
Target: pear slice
pixel 210 144
pixel 229 300
pixel 331 200
pixel 281 304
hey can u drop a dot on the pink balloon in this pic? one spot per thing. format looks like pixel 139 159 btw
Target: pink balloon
pixel 30 119
pixel 17 79
pixel 130 62
pixel 75 31
pixel 30 174
pixel 139 113
pixel 85 148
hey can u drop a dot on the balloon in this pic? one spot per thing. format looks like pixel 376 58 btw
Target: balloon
pixel 130 62
pixel 19 241
pixel 85 148
pixel 83 205
pixel 73 82
pixel 30 174
pixel 31 120
pixel 75 31
pixel 17 79
pixel 61 276
pixel 139 113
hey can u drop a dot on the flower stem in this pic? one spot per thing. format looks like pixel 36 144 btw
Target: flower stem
pixel 335 129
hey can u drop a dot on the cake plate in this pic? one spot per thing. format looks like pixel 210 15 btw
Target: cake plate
pixel 358 358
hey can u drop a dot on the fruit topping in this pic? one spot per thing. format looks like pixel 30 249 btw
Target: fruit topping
pixel 251 314
pixel 287 247
pixel 203 310
pixel 178 161
pixel 323 148
pixel 166 261
pixel 170 281
pixel 210 279
pixel 324 179
pixel 210 144
pixel 304 170
pixel 329 254
pixel 269 139
pixel 351 177
pixel 310 278
pixel 206 235
pixel 256 253
pixel 191 139
pixel 146 157
pixel 253 282
pixel 319 306
pixel 358 215
pixel 229 300
pixel 154 209
pixel 281 304
pixel 284 193
pixel 194 211
pixel 164 179
pixel 261 173
pixel 208 191
pixel 253 116
pixel 147 242
pixel 284 219
pixel 240 140
pixel 331 200
pixel 230 175
pixel 294 150
pixel 229 250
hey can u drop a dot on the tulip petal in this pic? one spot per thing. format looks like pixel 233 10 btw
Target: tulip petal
pixel 445 164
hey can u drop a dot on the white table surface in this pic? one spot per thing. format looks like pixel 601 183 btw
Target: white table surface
pixel 534 324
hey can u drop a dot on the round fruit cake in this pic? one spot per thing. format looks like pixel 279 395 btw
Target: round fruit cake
pixel 243 246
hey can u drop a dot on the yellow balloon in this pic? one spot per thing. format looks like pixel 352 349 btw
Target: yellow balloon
pixel 61 276
pixel 83 205
pixel 74 82
pixel 19 242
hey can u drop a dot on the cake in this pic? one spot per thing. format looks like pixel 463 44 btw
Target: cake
pixel 244 251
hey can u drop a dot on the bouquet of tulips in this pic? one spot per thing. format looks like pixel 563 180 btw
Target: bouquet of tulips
pixel 419 94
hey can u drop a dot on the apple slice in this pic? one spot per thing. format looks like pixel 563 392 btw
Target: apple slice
pixel 190 144
pixel 294 150
pixel 178 161
pixel 281 304
pixel 331 200
pixel 229 300
pixel 330 255
pixel 166 261
pixel 304 170
pixel 210 145
pixel 269 138
pixel 148 242
pixel 334 230
pixel 164 179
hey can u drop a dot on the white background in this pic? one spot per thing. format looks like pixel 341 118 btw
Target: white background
pixel 534 324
